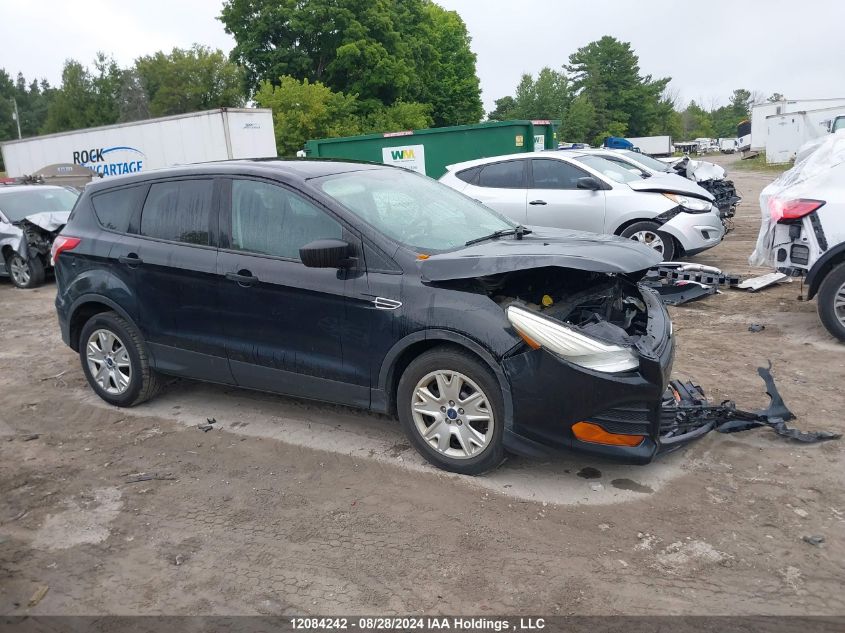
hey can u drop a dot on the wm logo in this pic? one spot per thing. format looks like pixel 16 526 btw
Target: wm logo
pixel 402 154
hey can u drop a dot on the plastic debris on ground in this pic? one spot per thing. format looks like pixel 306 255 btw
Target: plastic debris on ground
pixel 763 281
pixel 694 412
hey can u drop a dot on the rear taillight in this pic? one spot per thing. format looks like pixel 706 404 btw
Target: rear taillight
pixel 61 244
pixel 793 209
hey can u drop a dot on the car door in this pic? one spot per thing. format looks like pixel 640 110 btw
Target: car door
pixel 555 200
pixel 176 279
pixel 502 186
pixel 284 322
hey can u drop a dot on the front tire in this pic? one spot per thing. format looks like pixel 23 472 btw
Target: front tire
pixel 649 233
pixel 115 361
pixel 451 408
pixel 25 273
pixel 831 302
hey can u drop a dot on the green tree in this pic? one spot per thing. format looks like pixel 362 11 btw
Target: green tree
pixel 303 110
pixel 696 122
pixel 397 117
pixel 607 71
pixel 381 50
pixel 133 102
pixel 775 97
pixel 503 110
pixel 75 104
pixel 578 120
pixel 547 97
pixel 447 74
pixel 189 80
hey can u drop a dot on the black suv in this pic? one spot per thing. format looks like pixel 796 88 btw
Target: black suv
pixel 374 287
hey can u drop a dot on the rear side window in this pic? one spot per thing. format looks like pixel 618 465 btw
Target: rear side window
pixel 507 175
pixel 469 175
pixel 555 174
pixel 178 211
pixel 114 209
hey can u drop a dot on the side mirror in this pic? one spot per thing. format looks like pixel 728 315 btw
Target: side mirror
pixel 588 182
pixel 327 253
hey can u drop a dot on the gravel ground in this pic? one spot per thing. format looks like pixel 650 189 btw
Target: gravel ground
pixel 295 507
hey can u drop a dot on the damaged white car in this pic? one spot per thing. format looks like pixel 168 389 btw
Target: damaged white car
pixel 31 216
pixel 803 227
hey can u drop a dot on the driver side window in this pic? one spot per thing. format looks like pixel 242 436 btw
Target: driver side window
pixel 270 220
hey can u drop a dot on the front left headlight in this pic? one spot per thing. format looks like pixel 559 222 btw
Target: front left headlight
pixel 694 205
pixel 569 344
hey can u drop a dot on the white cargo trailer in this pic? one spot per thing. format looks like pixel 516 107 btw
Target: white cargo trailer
pixel 761 111
pixel 788 132
pixel 653 145
pixel 125 148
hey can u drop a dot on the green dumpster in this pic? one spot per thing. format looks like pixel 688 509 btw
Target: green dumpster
pixel 430 151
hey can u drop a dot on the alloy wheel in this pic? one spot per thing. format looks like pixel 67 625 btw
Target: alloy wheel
pixel 650 239
pixel 839 304
pixel 109 362
pixel 19 270
pixel 452 414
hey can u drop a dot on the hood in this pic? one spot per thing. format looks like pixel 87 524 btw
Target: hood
pixel 671 183
pixel 50 221
pixel 542 248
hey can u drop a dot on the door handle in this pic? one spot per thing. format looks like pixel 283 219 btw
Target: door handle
pixel 243 278
pixel 536 202
pixel 130 260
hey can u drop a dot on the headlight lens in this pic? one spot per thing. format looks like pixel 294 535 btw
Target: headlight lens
pixel 569 344
pixel 696 205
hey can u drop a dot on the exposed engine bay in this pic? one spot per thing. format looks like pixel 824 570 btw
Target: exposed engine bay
pixel 606 307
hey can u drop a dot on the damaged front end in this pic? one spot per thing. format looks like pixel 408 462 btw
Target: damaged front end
pixel 595 362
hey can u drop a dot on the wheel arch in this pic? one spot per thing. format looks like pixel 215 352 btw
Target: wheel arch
pixel 406 350
pixel 87 306
pixel 822 267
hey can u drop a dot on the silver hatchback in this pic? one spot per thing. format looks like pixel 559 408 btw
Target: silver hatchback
pixel 578 190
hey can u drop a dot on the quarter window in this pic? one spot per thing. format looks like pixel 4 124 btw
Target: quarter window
pixel 178 211
pixel 270 220
pixel 507 175
pixel 114 208
pixel 555 174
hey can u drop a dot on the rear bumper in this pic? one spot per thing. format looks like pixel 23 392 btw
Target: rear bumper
pixel 550 395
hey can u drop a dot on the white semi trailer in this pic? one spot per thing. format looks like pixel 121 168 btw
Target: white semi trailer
pixel 125 148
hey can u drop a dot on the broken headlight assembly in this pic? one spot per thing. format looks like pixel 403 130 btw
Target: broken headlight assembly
pixel 569 344
pixel 689 204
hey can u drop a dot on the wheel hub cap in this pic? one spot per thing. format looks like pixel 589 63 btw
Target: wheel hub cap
pixel 108 362
pixel 452 414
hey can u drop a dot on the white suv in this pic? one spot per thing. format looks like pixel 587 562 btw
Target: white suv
pixel 803 229
pixel 578 190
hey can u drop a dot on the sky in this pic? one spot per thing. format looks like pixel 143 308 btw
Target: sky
pixel 708 47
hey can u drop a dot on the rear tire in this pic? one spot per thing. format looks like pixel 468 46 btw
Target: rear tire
pixel 831 302
pixel 649 233
pixel 25 273
pixel 115 362
pixel 452 410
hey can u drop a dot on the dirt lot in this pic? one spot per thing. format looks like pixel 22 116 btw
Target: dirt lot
pixel 292 507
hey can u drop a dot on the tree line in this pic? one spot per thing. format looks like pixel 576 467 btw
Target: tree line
pixel 344 67
pixel 602 92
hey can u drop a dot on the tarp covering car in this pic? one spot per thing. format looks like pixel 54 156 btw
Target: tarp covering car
pixel 820 160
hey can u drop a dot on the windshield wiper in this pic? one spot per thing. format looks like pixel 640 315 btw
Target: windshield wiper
pixel 519 231
pixel 645 175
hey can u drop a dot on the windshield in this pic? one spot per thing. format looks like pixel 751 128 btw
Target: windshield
pixel 609 169
pixel 18 204
pixel 838 124
pixel 413 210
pixel 646 160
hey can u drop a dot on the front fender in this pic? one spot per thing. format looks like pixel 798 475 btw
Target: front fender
pixel 387 376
